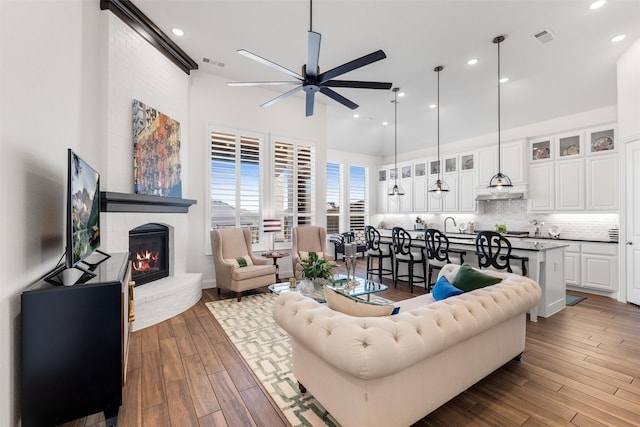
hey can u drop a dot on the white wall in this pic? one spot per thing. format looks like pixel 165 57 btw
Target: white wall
pixel 213 102
pixel 50 101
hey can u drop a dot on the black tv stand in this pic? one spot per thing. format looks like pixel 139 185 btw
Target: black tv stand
pixel 74 344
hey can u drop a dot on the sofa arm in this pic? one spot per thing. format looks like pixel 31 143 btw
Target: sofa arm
pixel 364 346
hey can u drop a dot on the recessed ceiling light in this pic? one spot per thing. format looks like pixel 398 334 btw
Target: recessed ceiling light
pixel 177 32
pixel 472 61
pixel 618 38
pixel 504 79
pixel 432 106
pixel 355 116
pixel 385 123
pixel 401 94
pixel 597 4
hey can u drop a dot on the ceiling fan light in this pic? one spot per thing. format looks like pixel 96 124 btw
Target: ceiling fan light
pixel 500 184
pixel 439 190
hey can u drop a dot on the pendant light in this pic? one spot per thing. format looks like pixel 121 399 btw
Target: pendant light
pixel 439 189
pixel 500 183
pixel 397 190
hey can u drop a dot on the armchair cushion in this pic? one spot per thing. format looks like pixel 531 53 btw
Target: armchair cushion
pixel 241 261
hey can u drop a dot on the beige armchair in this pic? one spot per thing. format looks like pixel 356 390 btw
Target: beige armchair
pixel 305 239
pixel 235 266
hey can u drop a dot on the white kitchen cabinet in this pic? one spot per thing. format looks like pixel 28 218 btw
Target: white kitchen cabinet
pixel 599 266
pixel 466 192
pixel 602 183
pixel 383 186
pixel 487 165
pixel 572 264
pixel 570 185
pixel 542 187
pixel 513 161
pixel 512 164
pixel 450 201
pixel 420 201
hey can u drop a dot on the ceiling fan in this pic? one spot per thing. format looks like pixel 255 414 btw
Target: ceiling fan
pixel 311 80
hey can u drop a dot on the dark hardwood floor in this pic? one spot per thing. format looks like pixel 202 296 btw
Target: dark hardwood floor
pixel 580 367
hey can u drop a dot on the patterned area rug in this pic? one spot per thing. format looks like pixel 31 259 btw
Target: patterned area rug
pixel 266 349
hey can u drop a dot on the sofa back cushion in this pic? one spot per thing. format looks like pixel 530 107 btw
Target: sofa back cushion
pixel 355 306
pixel 469 279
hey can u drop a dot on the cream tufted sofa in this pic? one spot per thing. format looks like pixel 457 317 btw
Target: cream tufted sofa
pixel 394 370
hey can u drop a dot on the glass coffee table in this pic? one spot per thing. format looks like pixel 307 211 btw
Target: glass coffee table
pixel 360 289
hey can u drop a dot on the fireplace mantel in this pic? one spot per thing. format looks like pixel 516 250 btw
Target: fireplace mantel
pixel 126 202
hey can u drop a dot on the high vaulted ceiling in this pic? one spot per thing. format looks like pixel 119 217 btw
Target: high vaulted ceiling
pixel 575 72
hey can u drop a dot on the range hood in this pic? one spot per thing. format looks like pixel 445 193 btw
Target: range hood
pixel 491 197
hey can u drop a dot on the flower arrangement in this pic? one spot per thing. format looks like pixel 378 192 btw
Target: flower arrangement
pixel 314 267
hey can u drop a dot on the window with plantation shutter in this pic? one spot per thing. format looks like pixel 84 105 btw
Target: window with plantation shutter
pixel 334 197
pixel 235 196
pixel 358 197
pixel 293 185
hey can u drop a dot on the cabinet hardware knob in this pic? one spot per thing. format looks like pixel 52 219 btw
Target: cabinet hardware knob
pixel 629 242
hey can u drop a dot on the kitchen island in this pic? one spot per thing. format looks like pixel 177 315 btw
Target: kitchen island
pixel 546 265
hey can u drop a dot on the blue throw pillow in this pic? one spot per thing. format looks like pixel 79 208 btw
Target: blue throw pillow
pixel 443 289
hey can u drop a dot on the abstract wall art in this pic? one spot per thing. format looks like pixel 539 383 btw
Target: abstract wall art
pixel 156 152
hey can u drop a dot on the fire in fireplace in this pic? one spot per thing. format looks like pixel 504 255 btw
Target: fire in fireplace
pixel 149 249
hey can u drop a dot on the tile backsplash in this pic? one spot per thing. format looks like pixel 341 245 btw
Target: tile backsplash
pixel 514 214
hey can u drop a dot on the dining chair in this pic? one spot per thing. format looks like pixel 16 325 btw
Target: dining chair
pixel 379 251
pixel 494 252
pixel 406 252
pixel 437 244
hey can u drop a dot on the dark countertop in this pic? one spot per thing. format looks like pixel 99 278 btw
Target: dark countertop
pixel 545 238
pixel 472 236
pixel 468 240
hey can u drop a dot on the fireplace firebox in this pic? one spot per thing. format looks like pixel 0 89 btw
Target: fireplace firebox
pixel 149 249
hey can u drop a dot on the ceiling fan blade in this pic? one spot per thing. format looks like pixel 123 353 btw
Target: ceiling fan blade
pixel 357 84
pixel 268 63
pixel 313 53
pixel 262 83
pixel 352 65
pixel 310 98
pixel 283 96
pixel 337 97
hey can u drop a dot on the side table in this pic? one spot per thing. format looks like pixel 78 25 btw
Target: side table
pixel 275 256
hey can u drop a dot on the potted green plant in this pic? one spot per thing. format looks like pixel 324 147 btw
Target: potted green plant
pixel 314 267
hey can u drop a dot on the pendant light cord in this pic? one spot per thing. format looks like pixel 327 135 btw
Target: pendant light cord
pixel 395 132
pixel 310 15
pixel 438 127
pixel 499 160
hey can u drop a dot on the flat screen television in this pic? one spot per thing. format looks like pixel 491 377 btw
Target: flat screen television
pixel 83 210
pixel 83 223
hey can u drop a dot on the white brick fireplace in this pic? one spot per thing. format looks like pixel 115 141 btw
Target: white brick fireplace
pixel 161 299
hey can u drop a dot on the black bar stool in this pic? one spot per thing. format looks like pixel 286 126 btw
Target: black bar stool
pixel 379 251
pixel 403 251
pixel 494 251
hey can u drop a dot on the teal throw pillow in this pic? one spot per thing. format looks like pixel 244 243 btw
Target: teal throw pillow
pixel 469 279
pixel 443 289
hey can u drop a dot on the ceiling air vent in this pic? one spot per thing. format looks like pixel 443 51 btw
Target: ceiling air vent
pixel 545 36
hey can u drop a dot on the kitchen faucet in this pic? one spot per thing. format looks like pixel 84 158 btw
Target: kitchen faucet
pixel 445 223
pixel 537 227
